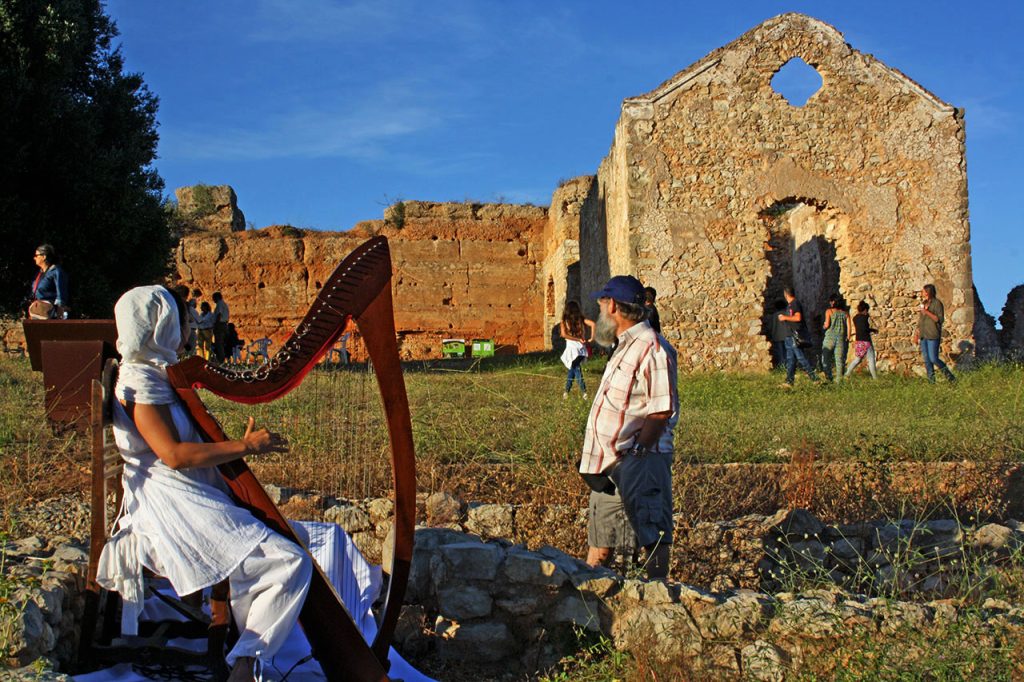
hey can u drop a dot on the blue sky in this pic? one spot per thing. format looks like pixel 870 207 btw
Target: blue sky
pixel 321 112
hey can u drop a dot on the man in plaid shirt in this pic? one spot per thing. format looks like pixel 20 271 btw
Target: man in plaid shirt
pixel 629 430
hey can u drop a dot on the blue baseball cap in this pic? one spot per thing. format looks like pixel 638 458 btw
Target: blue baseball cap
pixel 624 288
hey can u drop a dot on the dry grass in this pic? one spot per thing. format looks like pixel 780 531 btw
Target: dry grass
pixel 35 463
pixel 504 434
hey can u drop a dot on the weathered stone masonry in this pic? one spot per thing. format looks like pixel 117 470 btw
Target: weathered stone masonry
pixel 463 270
pixel 716 190
pixel 863 189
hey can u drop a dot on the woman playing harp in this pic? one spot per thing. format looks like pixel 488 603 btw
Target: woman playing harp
pixel 178 518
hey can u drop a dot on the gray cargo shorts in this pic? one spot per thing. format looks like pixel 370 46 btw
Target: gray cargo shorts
pixel 607 525
pixel 645 484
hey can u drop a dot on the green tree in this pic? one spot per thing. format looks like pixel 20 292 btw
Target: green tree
pixel 77 143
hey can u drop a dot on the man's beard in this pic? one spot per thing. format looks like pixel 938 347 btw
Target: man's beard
pixel 605 331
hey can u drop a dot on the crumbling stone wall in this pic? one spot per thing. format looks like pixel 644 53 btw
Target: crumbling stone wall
pixel 1012 322
pixel 561 248
pixel 716 191
pixel 210 207
pixel 713 171
pixel 460 270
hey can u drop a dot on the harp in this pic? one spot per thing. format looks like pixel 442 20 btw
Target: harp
pixel 360 290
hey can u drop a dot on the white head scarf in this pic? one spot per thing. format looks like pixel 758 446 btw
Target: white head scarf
pixel 148 336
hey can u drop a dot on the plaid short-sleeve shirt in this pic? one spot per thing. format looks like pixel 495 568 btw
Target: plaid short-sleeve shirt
pixel 637 382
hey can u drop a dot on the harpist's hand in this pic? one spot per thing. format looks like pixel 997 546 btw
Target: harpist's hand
pixel 261 441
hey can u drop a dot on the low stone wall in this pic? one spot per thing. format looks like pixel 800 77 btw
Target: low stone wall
pixel 503 607
pixel 475 596
pixel 743 552
pixel 41 616
pixel 12 336
pixel 907 557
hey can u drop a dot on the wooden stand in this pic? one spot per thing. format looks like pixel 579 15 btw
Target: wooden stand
pixel 70 354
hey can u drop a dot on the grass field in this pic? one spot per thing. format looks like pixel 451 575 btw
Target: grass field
pixel 506 423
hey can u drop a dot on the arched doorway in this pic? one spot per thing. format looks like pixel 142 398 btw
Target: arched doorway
pixel 801 250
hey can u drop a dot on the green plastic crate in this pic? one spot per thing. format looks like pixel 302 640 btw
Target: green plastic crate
pixel 453 348
pixel 483 348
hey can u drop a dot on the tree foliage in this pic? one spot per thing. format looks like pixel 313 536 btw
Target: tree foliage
pixel 77 143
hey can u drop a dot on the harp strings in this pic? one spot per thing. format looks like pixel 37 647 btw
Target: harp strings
pixel 334 420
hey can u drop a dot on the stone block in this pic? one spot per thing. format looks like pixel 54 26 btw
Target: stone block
pixel 381 509
pixel 428 569
pixel 763 661
pixel 30 635
pixel 740 615
pixel 472 560
pixel 576 610
pixel 351 518
pixel 994 537
pixel 568 563
pixel 806 555
pixel 409 634
pixel 900 615
pixel 695 597
pixel 485 642
pixel 799 524
pixel 522 566
pixel 667 632
pixel 29 546
pixel 597 584
pixel 442 508
pixel 277 494
pixel 810 618
pixel 522 602
pixel 464 602
pixel 849 551
pixel 490 520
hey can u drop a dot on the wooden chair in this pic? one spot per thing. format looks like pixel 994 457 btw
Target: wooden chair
pixel 101 642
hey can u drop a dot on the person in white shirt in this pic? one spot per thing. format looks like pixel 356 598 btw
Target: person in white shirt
pixel 178 518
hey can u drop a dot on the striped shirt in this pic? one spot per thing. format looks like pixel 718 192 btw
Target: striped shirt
pixel 639 380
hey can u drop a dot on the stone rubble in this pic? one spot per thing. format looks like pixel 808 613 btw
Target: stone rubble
pixel 482 598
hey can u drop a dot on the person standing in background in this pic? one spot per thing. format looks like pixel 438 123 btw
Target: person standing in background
pixel 778 332
pixel 794 317
pixel 50 288
pixel 862 344
pixel 930 317
pixel 221 317
pixel 833 346
pixel 577 332
pixel 193 321
pixel 204 331
pixel 650 294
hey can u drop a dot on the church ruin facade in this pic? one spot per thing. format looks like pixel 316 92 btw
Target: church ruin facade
pixel 717 190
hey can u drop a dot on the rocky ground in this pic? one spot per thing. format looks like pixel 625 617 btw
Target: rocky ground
pixel 512 611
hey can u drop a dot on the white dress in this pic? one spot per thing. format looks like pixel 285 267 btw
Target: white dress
pixel 183 523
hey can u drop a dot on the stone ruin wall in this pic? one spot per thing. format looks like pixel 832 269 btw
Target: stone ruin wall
pixel 209 207
pixel 695 189
pixel 459 270
pixel 560 244
pixel 716 191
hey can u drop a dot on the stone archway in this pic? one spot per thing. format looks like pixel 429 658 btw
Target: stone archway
pixel 805 247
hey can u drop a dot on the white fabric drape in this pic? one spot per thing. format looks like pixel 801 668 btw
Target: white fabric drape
pixel 573 349
pixel 148 337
